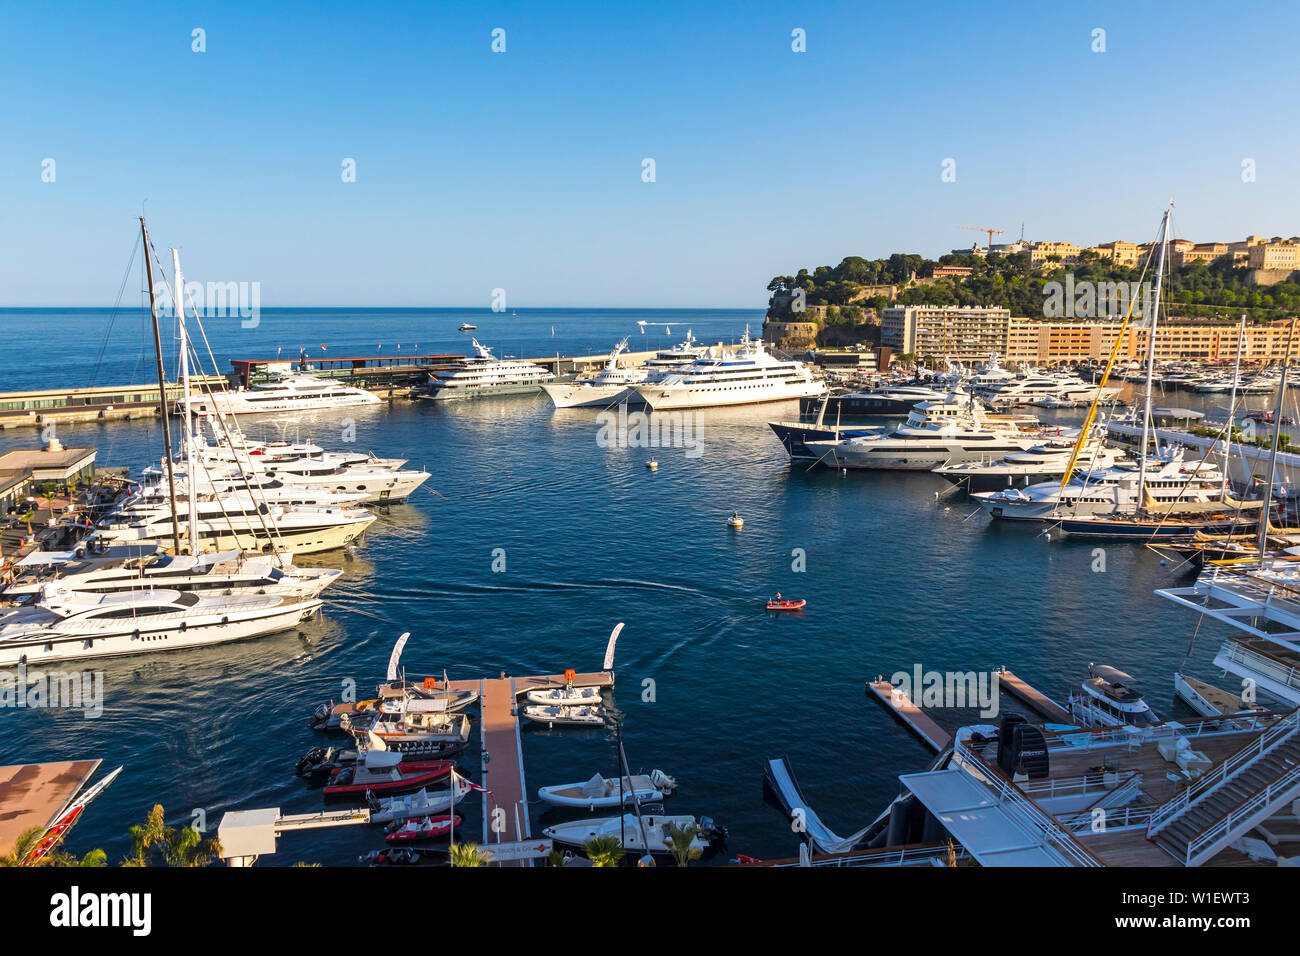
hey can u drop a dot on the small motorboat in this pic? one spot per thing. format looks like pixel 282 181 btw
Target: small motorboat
pixel 561 696
pixel 652 464
pixel 577 833
pixel 779 603
pixel 383 771
pixel 466 327
pixel 401 856
pixel 604 791
pixel 735 521
pixel 422 803
pixel 417 829
pixel 321 761
pixel 582 716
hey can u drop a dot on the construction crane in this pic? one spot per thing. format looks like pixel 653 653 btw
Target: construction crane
pixel 991 232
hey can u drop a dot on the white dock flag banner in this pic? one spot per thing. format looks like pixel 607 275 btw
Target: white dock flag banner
pixel 397 655
pixel 609 650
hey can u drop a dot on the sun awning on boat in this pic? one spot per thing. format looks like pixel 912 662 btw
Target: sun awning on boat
pixel 988 829
pixel 46 557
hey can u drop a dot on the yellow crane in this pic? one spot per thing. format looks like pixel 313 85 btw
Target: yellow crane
pixel 991 232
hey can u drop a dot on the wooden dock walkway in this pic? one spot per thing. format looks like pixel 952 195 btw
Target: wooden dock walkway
pixel 34 794
pixel 505 809
pixel 1039 701
pixel 911 715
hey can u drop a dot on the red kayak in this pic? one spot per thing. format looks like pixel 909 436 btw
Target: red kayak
pixel 400 778
pixel 413 829
pixel 786 605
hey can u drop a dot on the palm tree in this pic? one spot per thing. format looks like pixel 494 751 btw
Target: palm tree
pixel 604 851
pixel 680 838
pixel 180 847
pixel 555 858
pixel 468 854
pixel 30 838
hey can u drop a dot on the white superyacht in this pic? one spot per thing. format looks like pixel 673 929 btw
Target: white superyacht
pixel 610 386
pixel 484 374
pixel 745 375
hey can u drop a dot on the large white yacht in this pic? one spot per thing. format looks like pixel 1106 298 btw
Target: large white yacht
pixel 610 386
pixel 75 624
pixel 1032 388
pixel 286 393
pixel 1038 464
pixel 1110 491
pixel 952 434
pixel 745 375
pixel 484 374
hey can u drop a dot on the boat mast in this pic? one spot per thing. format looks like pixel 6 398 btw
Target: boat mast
pixel 162 390
pixel 1232 408
pixel 1277 434
pixel 1151 362
pixel 188 428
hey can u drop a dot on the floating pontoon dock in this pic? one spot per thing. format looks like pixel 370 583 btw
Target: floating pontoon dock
pixel 37 794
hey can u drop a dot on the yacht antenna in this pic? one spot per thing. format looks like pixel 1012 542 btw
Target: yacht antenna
pixel 162 391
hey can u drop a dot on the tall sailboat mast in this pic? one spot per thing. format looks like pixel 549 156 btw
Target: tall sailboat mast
pixel 188 428
pixel 1272 459
pixel 1232 410
pixel 1151 361
pixel 163 410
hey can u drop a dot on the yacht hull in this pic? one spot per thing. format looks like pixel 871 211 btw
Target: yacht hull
pixel 896 456
pixel 665 397
pixel 566 395
pixel 51 645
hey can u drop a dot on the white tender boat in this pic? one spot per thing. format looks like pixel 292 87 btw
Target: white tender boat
pixel 419 804
pixel 565 695
pixel 584 716
pixel 628 828
pixel 602 792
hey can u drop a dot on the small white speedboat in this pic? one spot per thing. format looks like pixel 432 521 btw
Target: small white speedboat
pixel 604 791
pixel 422 803
pixel 561 696
pixel 583 716
pixel 577 833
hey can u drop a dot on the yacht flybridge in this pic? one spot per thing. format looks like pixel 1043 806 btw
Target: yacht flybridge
pixel 484 374
pixel 746 375
pixel 1041 463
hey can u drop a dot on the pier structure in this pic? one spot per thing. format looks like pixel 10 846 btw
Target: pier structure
pixel 100 403
pixel 37 794
pixel 505 805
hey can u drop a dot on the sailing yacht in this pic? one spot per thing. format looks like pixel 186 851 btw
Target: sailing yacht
pixel 610 386
pixel 484 374
pixel 744 376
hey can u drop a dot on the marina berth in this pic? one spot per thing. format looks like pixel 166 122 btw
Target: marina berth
pixel 746 375
pixel 64 625
pixel 483 374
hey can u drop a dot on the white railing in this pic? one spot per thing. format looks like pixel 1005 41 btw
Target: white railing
pixel 1201 846
pixel 1119 814
pixel 1264 664
pixel 1220 774
pixel 1051 833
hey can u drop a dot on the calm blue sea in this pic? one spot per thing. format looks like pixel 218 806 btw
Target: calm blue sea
pixel 895 577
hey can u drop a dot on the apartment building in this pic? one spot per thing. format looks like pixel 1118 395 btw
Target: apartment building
pixel 962 334
pixel 1039 342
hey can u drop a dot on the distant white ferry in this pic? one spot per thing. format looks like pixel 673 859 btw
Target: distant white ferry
pixel 744 376
pixel 484 374
pixel 288 393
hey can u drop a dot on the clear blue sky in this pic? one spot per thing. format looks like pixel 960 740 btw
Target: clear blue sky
pixel 522 170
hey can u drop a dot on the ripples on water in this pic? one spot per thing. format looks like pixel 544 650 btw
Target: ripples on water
pixel 591 537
